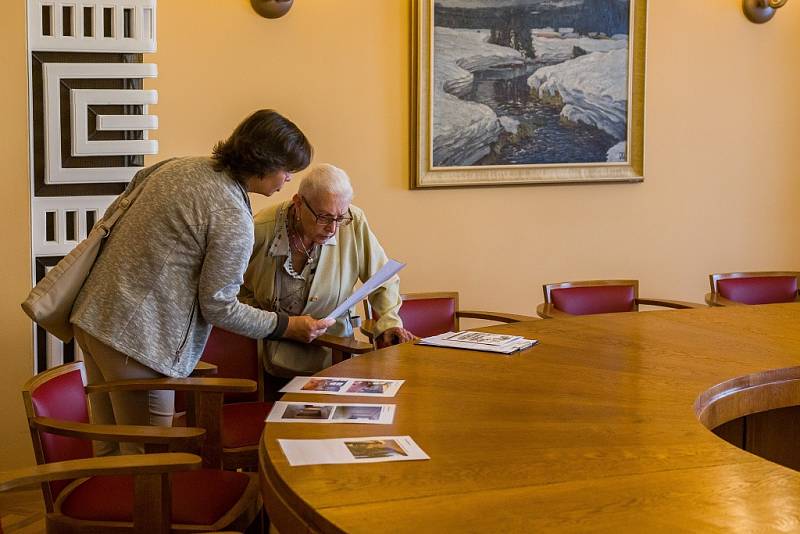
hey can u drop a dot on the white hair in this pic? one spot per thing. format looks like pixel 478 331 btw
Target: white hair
pixel 326 178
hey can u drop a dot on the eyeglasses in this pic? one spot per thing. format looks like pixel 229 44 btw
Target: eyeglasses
pixel 325 220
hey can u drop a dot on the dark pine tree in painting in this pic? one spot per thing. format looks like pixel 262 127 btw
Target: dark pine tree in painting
pixel 606 16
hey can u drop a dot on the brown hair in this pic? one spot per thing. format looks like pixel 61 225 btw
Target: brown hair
pixel 263 143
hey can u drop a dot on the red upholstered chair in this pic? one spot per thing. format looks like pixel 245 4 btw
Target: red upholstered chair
pixel 588 297
pixel 150 472
pixel 243 415
pixel 768 287
pixel 58 417
pixel 430 314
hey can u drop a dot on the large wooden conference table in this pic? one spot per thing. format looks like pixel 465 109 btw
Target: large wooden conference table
pixel 604 426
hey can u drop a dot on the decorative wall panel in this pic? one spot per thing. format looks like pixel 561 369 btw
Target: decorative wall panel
pixel 90 123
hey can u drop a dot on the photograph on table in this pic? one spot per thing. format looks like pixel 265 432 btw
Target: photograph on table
pixel 306 411
pixel 324 384
pixel 357 413
pixel 375 448
pixel 529 91
pixel 369 386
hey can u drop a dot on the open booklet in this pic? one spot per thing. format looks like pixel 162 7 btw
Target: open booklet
pixel 482 341
pixel 390 269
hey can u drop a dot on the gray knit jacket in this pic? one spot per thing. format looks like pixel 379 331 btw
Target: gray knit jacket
pixel 172 267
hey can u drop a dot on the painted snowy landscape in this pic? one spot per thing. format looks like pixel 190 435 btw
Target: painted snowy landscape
pixel 527 82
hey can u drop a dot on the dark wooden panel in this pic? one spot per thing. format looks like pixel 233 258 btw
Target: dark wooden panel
pixel 732 432
pixel 775 435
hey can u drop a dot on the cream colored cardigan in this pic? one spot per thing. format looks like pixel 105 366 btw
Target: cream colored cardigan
pixel 356 255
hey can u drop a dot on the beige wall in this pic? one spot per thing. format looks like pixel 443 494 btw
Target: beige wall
pixel 720 190
pixel 15 265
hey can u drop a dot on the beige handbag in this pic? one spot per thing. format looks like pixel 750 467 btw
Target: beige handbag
pixel 50 302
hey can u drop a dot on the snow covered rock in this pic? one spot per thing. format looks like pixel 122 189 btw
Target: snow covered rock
pixel 557 48
pixel 463 130
pixel 592 88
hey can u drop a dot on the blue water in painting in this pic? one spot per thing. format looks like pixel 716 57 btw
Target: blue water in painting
pixel 542 136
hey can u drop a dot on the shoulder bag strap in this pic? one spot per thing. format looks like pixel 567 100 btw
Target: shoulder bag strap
pixel 107 223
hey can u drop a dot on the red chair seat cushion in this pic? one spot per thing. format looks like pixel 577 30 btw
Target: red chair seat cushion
pixel 199 497
pixel 586 300
pixel 759 289
pixel 243 423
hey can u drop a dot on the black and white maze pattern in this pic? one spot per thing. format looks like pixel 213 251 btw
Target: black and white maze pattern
pixel 90 125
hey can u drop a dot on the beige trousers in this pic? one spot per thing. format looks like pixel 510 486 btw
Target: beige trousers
pixel 105 364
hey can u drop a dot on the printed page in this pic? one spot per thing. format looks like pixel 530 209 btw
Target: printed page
pixel 306 412
pixel 443 340
pixel 391 268
pixel 351 450
pixel 334 385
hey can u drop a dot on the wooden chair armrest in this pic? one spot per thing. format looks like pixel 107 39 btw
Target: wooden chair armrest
pixel 495 316
pixel 202 385
pixel 342 347
pixel 369 328
pixel 546 310
pixel 204 369
pixel 131 464
pixel 715 299
pixel 128 433
pixel 344 344
pixel 206 404
pixel 675 304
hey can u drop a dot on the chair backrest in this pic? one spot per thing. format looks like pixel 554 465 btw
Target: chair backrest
pixel 426 314
pixel 58 393
pixel 235 357
pixel 766 287
pixel 593 296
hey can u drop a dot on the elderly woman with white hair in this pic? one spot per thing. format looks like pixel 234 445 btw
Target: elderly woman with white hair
pixel 308 255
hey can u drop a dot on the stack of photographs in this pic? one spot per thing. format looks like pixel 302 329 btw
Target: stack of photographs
pixel 481 341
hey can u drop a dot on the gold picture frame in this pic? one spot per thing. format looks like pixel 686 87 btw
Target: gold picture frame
pixel 439 165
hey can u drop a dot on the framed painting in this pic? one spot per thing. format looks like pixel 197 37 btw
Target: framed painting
pixel 528 91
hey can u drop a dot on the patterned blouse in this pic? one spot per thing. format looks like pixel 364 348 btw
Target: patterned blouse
pixel 292 288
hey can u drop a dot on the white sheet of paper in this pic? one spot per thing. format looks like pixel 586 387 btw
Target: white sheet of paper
pixel 337 385
pixel 351 450
pixel 320 412
pixel 390 269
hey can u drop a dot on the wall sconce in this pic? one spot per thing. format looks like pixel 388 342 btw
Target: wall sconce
pixel 271 9
pixel 759 11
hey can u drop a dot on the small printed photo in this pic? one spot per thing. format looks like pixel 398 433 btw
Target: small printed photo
pixel 357 413
pixel 324 384
pixel 369 386
pixel 306 411
pixel 375 448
